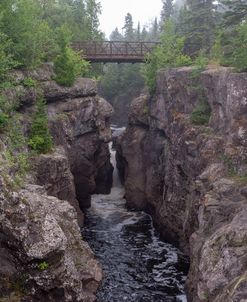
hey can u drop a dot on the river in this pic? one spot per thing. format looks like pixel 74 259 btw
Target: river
pixel 138 265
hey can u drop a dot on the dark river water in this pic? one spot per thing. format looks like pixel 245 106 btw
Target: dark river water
pixel 138 266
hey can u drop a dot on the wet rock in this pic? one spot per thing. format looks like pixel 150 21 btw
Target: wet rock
pixel 82 127
pixel 139 111
pixel 53 171
pixel 191 177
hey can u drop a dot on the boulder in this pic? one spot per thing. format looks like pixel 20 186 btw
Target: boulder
pixel 47 258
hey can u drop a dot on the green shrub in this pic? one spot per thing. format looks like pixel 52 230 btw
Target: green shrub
pixel 201 114
pixel 169 54
pixel 68 66
pixel 43 266
pixel 217 51
pixel 3 120
pixel 23 22
pixel 6 60
pixel 29 82
pixel 40 139
pixel 16 156
pixel 239 57
pixel 230 47
pixel 201 61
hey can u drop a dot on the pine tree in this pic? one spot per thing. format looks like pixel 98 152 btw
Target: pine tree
pixel 144 34
pixel 128 28
pixel 138 32
pixel 19 19
pixel 197 24
pixel 116 36
pixel 154 31
pixel 93 9
pixel 166 12
pixel 235 11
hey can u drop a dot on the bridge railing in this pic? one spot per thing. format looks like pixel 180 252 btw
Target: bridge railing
pixel 115 50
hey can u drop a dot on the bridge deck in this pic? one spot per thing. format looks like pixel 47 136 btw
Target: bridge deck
pixel 115 51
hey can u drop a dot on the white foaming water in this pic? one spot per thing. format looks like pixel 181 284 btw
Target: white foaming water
pixel 116 180
pixel 137 264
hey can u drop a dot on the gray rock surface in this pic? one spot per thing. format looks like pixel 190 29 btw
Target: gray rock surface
pixel 79 122
pixel 46 259
pixel 82 127
pixel 42 254
pixel 192 178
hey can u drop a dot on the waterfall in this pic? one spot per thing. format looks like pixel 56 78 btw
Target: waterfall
pixel 116 181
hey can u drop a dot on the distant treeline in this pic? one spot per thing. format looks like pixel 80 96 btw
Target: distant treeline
pixel 191 32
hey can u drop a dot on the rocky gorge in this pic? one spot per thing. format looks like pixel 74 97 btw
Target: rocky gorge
pixel 42 254
pixel 183 158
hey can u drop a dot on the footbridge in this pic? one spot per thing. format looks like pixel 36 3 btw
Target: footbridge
pixel 115 51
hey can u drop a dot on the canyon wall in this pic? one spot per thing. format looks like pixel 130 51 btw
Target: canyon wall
pixel 190 173
pixel 42 254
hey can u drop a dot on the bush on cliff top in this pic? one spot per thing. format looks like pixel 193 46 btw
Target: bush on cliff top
pixel 69 63
pixel 40 139
pixel 6 59
pixel 168 54
pixel 68 66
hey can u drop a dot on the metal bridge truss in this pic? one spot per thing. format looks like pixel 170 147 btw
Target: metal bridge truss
pixel 115 51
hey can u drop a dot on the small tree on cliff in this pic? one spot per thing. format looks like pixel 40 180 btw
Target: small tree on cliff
pixel 40 139
pixel 68 64
pixel 168 54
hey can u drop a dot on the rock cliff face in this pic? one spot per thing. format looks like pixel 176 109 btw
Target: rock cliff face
pixel 43 257
pixel 192 177
pixel 80 127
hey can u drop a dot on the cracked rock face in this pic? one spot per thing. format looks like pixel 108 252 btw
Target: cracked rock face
pixel 79 122
pixel 42 254
pixel 81 126
pixel 192 178
pixel 47 259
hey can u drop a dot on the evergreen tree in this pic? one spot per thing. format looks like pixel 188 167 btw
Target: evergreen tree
pixel 80 31
pixel 166 12
pixel 116 36
pixel 197 24
pixel 6 59
pixel 128 28
pixel 93 9
pixel 154 31
pixel 138 32
pixel 168 54
pixel 144 34
pixel 22 22
pixel 235 12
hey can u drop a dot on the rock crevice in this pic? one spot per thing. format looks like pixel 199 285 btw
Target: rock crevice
pixel 192 177
pixel 42 254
